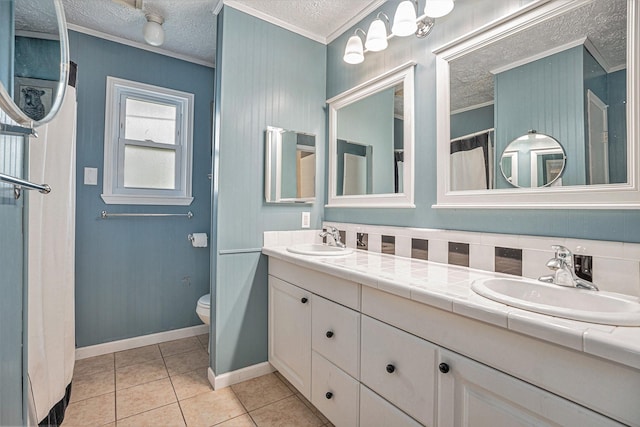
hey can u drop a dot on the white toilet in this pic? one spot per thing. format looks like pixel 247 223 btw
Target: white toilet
pixel 204 308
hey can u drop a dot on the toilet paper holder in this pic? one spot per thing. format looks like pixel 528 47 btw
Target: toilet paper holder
pixel 198 239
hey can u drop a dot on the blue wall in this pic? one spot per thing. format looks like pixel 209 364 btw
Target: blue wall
pixel 471 121
pixel 267 76
pixel 130 272
pixel 554 80
pixel 7 44
pixel 616 87
pixel 12 290
pixel 467 16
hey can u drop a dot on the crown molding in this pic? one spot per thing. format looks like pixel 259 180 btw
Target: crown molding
pixel 354 21
pixel 143 46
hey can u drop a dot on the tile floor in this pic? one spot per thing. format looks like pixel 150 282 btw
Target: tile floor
pixel 166 385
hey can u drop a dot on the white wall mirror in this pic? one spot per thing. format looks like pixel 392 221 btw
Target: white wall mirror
pixel 290 166
pixel 34 67
pixel 371 142
pixel 567 69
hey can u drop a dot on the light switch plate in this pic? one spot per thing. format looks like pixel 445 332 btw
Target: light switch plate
pixel 90 176
pixel 306 219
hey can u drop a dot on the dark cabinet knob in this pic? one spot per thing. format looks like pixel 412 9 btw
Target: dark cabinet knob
pixel 329 334
pixel 444 368
pixel 304 300
pixel 391 369
pixel 329 395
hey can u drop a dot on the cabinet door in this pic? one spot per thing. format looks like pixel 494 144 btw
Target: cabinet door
pixel 335 334
pixel 399 367
pixel 290 333
pixel 471 394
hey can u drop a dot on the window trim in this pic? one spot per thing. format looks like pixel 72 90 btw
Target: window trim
pixel 113 192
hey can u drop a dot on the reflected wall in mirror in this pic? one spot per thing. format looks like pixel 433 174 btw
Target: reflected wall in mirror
pixel 290 166
pixel 567 69
pixel 34 70
pixel 371 142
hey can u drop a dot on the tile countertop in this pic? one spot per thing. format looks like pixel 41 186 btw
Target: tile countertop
pixel 448 287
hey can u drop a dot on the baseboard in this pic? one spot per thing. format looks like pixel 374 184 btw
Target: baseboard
pixel 135 342
pixel 235 377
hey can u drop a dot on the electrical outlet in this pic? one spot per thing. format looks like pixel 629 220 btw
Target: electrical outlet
pixel 306 219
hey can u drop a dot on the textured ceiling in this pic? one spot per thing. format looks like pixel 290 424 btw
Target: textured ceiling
pixel 602 22
pixel 190 25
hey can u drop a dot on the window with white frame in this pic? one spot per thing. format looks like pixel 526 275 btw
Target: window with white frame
pixel 147 144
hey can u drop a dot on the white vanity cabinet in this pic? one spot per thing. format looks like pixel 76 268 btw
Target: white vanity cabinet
pixel 367 358
pixel 290 333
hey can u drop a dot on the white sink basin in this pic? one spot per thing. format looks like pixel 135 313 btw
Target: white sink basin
pixel 319 249
pixel 570 303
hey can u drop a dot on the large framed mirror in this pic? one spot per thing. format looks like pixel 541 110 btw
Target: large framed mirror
pixel 568 70
pixel 35 55
pixel 290 166
pixel 371 142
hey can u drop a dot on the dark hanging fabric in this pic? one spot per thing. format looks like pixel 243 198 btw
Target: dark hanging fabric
pixel 471 143
pixel 56 414
pixel 398 156
pixel 73 73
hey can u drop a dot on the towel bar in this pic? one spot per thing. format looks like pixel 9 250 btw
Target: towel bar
pixel 105 215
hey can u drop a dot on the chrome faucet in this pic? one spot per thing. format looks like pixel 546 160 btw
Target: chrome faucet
pixel 335 235
pixel 564 271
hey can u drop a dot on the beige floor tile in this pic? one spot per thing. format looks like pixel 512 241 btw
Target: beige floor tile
pixel 144 397
pixel 191 383
pixel 289 412
pixel 140 373
pixel 286 382
pixel 313 409
pixel 204 340
pixel 88 386
pixel 261 391
pixel 185 362
pixel 211 408
pixel 93 365
pixel 241 421
pixel 97 410
pixel 137 355
pixel 166 416
pixel 180 346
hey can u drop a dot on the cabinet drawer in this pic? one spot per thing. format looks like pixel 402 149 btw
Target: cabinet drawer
pixel 334 392
pixel 335 334
pixel 399 367
pixel 377 412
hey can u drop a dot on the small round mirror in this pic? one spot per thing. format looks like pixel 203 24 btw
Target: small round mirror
pixel 35 49
pixel 533 160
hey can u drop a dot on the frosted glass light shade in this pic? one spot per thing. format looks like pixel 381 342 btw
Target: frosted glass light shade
pixel 438 8
pixel 354 52
pixel 404 21
pixel 153 31
pixel 376 36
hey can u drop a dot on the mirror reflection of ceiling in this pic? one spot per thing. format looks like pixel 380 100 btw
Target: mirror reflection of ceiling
pixel 35 16
pixel 604 23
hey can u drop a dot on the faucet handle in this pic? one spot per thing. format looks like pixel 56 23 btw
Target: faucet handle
pixel 561 251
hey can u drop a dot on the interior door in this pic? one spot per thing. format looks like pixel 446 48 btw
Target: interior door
pixel 598 140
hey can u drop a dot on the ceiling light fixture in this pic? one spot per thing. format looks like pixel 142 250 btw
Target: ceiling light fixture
pixel 152 30
pixel 377 34
pixel 354 52
pixel 405 23
pixel 438 8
